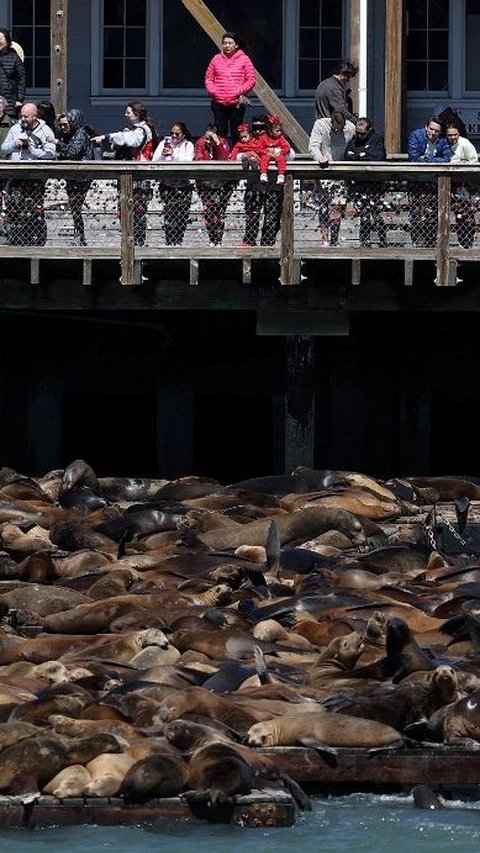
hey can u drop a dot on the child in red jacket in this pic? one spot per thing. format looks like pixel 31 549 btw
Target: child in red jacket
pixel 275 149
pixel 247 149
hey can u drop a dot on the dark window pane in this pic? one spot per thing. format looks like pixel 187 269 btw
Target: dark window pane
pixel 309 44
pixel 42 12
pixel 309 13
pixel 332 44
pixel 438 76
pixel 113 12
pixel 24 36
pixel 136 14
pixel 417 76
pixel 112 74
pixel 135 42
pixel 135 74
pixel 22 12
pixel 113 41
pixel 331 13
pixel 42 74
pixel 28 71
pixel 438 45
pixel 259 23
pixel 417 13
pixel 328 67
pixel 438 13
pixel 42 41
pixel 308 74
pixel 472 40
pixel 417 44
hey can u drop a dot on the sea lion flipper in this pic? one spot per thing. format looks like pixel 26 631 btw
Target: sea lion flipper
pixel 261 666
pixel 328 753
pixel 272 549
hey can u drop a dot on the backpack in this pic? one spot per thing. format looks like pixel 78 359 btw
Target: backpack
pixel 142 153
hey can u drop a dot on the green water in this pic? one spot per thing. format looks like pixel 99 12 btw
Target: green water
pixel 359 822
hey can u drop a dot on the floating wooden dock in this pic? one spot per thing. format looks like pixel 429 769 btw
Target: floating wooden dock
pixel 266 808
pixel 446 767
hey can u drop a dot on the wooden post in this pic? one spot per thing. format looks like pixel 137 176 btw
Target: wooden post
pixel 58 69
pixel 299 401
pixel 354 52
pixel 126 220
pixel 394 74
pixel 264 93
pixel 288 273
pixel 443 231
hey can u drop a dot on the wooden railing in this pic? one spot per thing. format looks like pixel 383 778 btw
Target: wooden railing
pixel 299 235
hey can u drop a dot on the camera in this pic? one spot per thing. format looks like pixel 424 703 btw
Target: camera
pixel 167 140
pixel 23 138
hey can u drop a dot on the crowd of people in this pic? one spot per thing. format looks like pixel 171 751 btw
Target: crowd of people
pixel 261 148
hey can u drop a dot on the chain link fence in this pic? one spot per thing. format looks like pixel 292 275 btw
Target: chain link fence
pixel 222 211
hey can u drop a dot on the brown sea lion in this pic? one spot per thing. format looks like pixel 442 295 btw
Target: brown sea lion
pixel 196 700
pixel 217 773
pixel 335 730
pixel 154 777
pixel 457 724
pixel 29 765
pixel 107 773
pixel 424 798
pixel 69 782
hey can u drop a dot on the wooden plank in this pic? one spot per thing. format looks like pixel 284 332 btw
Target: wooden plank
pixel 408 273
pixel 126 222
pixel 194 271
pixel 394 74
pixel 289 272
pixel 35 271
pixel 354 767
pixel 59 54
pixel 270 807
pixel 87 271
pixel 212 26
pixel 356 272
pixel 443 231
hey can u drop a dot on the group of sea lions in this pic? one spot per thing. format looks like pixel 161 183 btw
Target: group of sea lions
pixel 157 635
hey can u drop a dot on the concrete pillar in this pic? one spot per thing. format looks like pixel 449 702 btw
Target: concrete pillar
pixel 299 401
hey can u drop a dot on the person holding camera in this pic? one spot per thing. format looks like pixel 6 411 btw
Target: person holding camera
pixel 175 193
pixel 30 138
pixel 229 78
pixel 214 193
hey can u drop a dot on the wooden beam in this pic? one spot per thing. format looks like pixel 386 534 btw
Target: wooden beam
pixel 126 221
pixel 354 52
pixel 293 129
pixel 394 74
pixel 443 231
pixel 58 66
pixel 287 247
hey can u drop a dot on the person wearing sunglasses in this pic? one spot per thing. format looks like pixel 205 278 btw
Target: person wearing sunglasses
pixel 175 193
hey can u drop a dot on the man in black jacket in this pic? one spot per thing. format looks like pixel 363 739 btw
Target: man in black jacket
pixel 366 147
pixel 331 93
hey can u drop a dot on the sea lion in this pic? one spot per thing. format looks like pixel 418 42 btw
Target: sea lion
pixel 154 777
pixel 107 773
pixel 29 765
pixel 457 724
pixel 196 700
pixel 217 773
pixel 69 782
pixel 424 798
pixel 323 729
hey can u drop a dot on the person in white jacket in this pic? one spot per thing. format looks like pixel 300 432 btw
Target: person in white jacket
pixel 175 193
pixel 328 140
pixel 462 151
pixel 30 138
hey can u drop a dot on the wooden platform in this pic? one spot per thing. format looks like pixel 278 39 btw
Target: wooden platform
pixel 266 808
pixel 357 769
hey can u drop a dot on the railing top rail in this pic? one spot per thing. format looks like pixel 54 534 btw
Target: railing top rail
pixel 104 170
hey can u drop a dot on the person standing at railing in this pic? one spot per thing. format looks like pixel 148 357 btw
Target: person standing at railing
pixel 214 193
pixel 328 140
pixel 29 139
pixel 12 74
pixel 462 151
pixel 262 199
pixel 75 144
pixel 331 93
pixel 366 146
pixel 136 143
pixel 425 145
pixel 229 78
pixel 175 193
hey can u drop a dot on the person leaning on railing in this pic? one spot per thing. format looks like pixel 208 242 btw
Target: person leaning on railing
pixel 366 146
pixel 425 145
pixel 75 144
pixel 214 193
pixel 328 140
pixel 29 139
pixel 462 151
pixel 175 193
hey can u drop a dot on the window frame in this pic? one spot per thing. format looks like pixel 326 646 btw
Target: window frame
pixel 299 92
pixel 6 14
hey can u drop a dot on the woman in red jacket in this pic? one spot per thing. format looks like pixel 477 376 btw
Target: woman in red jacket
pixel 214 193
pixel 229 77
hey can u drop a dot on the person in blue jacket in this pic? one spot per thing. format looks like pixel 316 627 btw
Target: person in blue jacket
pixel 426 145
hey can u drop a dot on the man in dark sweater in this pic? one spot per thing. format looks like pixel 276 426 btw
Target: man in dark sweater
pixel 366 147
pixel 331 94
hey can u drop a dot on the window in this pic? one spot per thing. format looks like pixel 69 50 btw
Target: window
pixel 427 45
pixel 31 29
pixel 124 44
pixel 187 49
pixel 320 40
pixel 472 40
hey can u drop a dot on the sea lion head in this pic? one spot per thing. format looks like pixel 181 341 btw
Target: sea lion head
pixel 469 710
pixel 376 629
pixel 398 635
pixel 152 637
pixel 261 734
